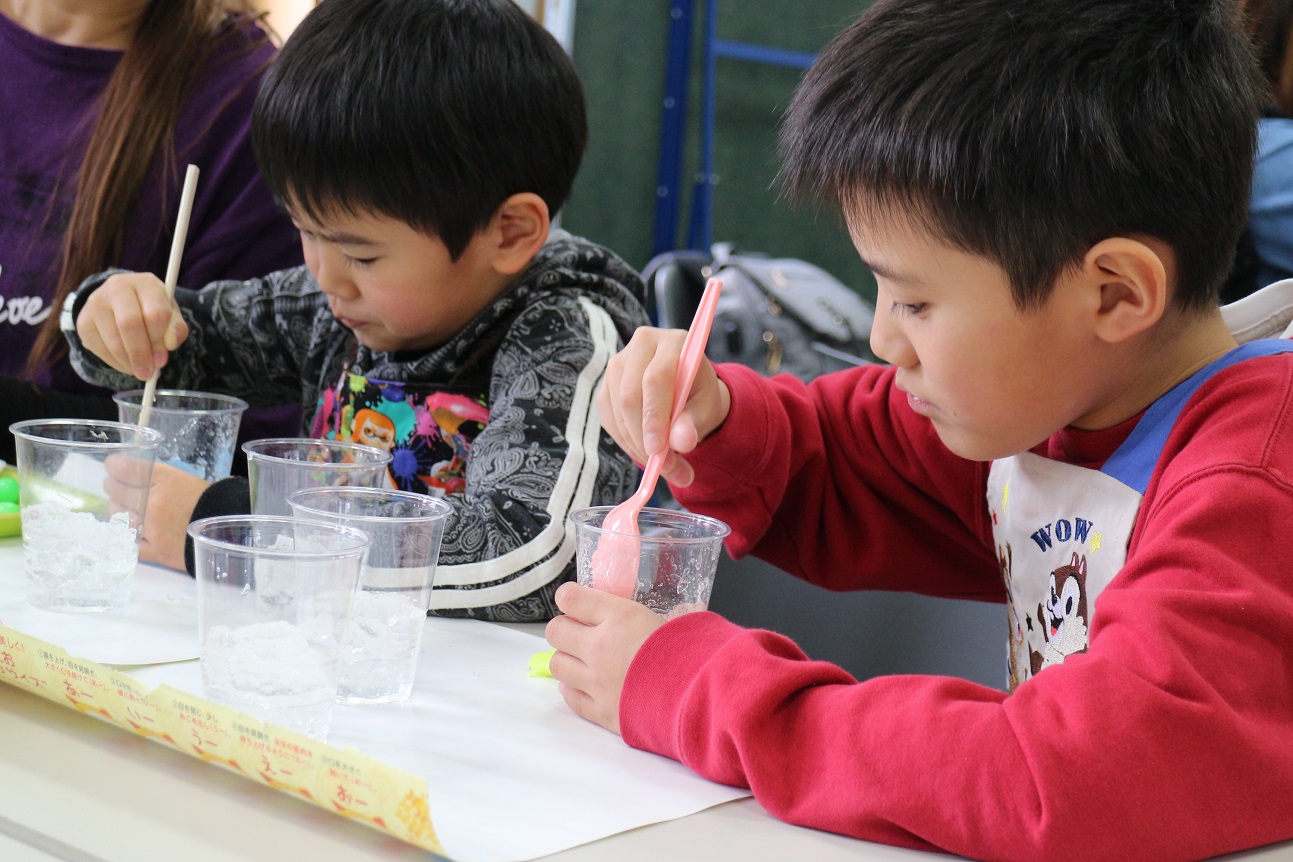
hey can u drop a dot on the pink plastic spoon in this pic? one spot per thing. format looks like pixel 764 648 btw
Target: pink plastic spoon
pixel 614 566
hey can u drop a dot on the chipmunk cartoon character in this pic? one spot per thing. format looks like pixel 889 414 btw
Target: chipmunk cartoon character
pixel 1064 615
pixel 1018 664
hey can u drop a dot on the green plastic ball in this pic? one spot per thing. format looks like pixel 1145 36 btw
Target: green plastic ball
pixel 7 508
pixel 8 492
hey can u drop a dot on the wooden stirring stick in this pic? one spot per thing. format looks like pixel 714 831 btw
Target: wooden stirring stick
pixel 172 276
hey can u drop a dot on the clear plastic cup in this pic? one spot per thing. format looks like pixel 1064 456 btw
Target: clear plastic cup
pixel 200 428
pixel 679 556
pixel 274 599
pixel 279 467
pixel 84 490
pixel 380 656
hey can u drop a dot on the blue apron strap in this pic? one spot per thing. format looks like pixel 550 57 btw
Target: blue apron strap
pixel 1134 461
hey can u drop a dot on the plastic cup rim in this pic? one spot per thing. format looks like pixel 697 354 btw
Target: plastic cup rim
pixel 235 405
pixel 195 527
pixel 443 509
pixel 151 436
pixel 722 530
pixel 384 457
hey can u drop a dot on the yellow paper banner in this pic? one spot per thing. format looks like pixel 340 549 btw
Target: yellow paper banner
pixel 344 782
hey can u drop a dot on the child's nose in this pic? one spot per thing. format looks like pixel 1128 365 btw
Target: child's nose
pixel 888 342
pixel 331 275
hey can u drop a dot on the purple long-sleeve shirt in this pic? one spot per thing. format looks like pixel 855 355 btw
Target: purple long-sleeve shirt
pixel 48 101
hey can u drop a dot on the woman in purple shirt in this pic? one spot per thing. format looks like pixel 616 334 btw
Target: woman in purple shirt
pixel 104 103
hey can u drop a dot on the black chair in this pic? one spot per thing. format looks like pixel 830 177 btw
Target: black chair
pixel 675 281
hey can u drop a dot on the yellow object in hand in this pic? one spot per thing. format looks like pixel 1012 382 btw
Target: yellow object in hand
pixel 539 663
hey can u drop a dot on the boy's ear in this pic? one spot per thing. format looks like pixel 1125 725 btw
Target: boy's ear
pixel 518 230
pixel 1129 282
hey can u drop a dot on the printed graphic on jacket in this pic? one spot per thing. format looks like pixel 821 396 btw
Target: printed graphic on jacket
pixel 427 431
pixel 1017 660
pixel 1061 533
pixel 1047 611
pixel 1064 616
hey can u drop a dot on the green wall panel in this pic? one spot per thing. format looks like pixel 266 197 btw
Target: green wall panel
pixel 620 49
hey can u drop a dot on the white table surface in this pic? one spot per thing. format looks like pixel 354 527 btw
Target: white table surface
pixel 76 789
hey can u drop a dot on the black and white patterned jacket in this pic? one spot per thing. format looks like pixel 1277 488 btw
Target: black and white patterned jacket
pixel 542 453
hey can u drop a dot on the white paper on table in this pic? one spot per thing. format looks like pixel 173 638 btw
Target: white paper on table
pixel 82 472
pixel 160 624
pixel 512 773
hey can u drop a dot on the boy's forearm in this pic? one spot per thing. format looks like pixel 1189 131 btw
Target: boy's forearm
pixel 184 368
pixel 239 339
pixel 89 367
pixel 1087 758
pixel 930 762
pixel 806 478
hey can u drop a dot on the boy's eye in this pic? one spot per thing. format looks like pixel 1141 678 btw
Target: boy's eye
pixel 360 261
pixel 908 308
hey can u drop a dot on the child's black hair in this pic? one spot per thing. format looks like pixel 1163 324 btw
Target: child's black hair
pixel 1025 131
pixel 432 112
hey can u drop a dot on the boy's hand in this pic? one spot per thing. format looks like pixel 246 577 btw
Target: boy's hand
pixel 172 494
pixel 596 641
pixel 637 394
pixel 131 324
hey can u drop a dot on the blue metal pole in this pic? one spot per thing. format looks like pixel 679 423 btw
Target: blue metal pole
pixel 673 128
pixel 700 236
pixel 763 54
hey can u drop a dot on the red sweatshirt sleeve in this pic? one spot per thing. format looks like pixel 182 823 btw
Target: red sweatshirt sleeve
pixel 860 489
pixel 1170 739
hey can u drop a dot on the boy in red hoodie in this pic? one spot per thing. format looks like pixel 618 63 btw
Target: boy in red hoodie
pixel 1049 194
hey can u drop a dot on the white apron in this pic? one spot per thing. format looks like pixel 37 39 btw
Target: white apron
pixel 1061 531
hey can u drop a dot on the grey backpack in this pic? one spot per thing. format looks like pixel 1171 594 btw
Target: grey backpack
pixel 775 315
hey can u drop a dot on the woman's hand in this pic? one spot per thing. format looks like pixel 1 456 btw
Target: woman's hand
pixel 172 494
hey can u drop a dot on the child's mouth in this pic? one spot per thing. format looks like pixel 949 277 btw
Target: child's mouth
pixel 921 406
pixel 348 322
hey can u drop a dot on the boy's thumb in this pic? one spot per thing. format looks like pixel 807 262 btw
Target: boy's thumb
pixel 173 336
pixel 702 416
